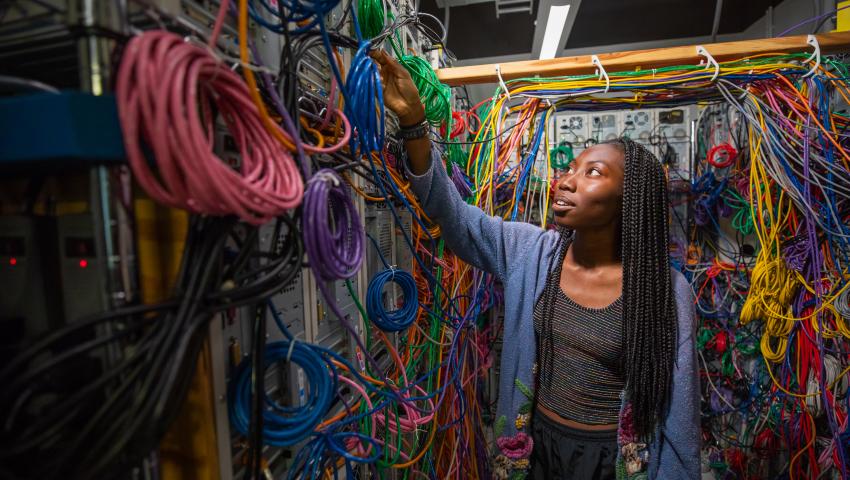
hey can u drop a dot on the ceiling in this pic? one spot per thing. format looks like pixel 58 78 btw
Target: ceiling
pixel 604 22
pixel 475 32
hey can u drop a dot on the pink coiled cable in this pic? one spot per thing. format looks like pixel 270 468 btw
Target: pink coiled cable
pixel 166 88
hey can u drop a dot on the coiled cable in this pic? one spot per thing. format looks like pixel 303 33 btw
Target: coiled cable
pixel 394 320
pixel 332 231
pixel 284 426
pixel 166 90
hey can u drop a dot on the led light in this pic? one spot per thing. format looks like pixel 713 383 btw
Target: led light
pixel 13 261
pixel 84 263
pixel 554 27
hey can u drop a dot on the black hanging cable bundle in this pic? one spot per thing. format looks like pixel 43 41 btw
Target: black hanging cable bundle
pixel 117 415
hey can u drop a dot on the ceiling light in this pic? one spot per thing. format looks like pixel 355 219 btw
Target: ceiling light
pixel 554 27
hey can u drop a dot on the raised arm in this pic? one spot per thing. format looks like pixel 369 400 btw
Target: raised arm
pixel 482 240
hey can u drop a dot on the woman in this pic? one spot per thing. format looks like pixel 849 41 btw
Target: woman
pixel 612 326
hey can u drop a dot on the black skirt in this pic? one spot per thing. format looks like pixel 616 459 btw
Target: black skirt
pixel 566 453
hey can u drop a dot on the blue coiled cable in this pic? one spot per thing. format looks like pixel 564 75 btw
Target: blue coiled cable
pixel 394 320
pixel 284 426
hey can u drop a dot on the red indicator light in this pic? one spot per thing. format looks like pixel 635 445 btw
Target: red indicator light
pixel 84 263
pixel 13 261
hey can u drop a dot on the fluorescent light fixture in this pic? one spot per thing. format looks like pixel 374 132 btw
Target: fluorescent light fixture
pixel 554 27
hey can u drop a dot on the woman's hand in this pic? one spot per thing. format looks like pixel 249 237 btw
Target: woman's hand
pixel 400 93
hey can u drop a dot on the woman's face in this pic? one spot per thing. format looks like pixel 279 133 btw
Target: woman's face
pixel 590 193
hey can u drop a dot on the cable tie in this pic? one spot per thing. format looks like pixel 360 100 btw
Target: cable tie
pixel 600 71
pixel 291 348
pixel 701 51
pixel 392 270
pixel 502 81
pixel 813 41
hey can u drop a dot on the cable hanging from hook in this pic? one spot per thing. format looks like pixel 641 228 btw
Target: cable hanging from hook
pixel 600 71
pixel 701 51
pixel 502 81
pixel 813 41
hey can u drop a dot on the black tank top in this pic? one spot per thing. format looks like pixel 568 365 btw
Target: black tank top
pixel 587 374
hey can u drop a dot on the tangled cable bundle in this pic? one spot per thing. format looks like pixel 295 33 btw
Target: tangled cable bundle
pixel 166 91
pixel 117 413
pixel 333 234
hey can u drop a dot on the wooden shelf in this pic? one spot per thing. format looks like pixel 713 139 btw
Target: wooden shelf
pixel 653 58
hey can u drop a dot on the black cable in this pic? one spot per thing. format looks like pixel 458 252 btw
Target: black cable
pixel 258 375
pixel 113 418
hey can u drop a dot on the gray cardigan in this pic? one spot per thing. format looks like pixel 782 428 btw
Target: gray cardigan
pixel 518 254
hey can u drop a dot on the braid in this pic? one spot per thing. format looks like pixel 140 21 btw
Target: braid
pixel 547 354
pixel 649 316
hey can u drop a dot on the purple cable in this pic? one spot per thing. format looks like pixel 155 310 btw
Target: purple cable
pixel 795 254
pixel 717 403
pixel 810 20
pixel 334 241
pixel 725 209
pixel 701 213
pixel 503 194
pixel 333 234
pixel 460 182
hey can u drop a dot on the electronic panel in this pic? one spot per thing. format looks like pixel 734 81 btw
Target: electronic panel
pixel 30 300
pixel 81 267
pixel 674 131
pixel 639 125
pixel 604 126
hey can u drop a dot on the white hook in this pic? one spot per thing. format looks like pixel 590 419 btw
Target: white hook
pixel 327 176
pixel 502 81
pixel 701 51
pixel 600 70
pixel 291 347
pixel 813 41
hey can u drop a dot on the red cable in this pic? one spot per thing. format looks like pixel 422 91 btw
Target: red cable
pixel 165 90
pixel 730 152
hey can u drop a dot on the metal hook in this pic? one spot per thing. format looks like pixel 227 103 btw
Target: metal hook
pixel 600 70
pixel 701 51
pixel 813 41
pixel 502 81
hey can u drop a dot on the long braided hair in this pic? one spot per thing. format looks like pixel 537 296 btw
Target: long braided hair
pixel 649 315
